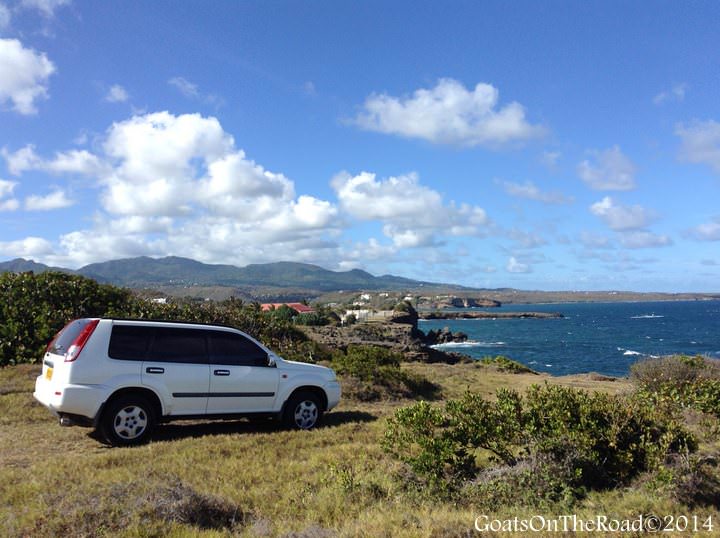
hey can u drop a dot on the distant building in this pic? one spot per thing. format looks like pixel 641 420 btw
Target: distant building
pixel 298 307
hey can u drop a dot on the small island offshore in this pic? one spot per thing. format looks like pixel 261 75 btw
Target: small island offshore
pixel 425 442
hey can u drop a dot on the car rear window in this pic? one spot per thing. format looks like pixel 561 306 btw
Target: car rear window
pixel 67 335
pixel 129 342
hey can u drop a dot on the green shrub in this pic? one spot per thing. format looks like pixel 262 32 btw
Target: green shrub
pixel 692 382
pixel 33 308
pixel 506 364
pixel 558 441
pixel 374 373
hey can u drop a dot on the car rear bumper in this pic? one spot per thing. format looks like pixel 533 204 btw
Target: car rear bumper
pixel 81 401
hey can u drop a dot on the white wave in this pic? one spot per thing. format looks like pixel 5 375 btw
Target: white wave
pixel 631 352
pixel 647 316
pixel 467 344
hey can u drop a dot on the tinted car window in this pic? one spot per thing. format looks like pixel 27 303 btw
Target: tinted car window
pixel 178 345
pixel 236 350
pixel 129 342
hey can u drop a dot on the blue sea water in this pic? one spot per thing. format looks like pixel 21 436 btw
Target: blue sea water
pixel 592 337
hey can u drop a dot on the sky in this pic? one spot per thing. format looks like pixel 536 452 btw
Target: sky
pixel 551 145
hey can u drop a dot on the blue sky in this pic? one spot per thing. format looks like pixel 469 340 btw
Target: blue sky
pixel 537 145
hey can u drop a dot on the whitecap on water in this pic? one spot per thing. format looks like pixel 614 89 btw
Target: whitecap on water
pixel 467 344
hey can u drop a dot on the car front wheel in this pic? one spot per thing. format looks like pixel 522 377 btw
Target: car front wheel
pixel 303 411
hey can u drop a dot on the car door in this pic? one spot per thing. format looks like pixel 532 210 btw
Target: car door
pixel 241 381
pixel 176 364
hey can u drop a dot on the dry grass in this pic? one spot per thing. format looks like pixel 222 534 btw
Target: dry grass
pixel 241 479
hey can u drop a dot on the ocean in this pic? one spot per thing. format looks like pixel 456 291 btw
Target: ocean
pixel 592 337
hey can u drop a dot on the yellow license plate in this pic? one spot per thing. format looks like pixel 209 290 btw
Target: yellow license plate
pixel 48 374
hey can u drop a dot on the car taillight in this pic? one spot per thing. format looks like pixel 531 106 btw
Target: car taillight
pixel 79 343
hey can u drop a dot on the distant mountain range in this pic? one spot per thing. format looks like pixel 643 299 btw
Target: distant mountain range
pixel 145 272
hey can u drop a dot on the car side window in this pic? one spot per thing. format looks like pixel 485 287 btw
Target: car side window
pixel 178 345
pixel 129 342
pixel 235 350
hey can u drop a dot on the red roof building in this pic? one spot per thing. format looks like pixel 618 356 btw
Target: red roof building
pixel 298 307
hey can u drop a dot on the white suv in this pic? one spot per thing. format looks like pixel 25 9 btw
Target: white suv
pixel 124 376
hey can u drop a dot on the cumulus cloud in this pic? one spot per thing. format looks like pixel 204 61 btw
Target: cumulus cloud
pixel 700 142
pixel 30 247
pixel 707 231
pixel 514 266
pixel 73 161
pixel 449 114
pixel 413 215
pixel 178 185
pixel 7 202
pixel 609 170
pixel 530 191
pixel 116 94
pixel 621 218
pixel 23 76
pixel 57 199
pixel 676 93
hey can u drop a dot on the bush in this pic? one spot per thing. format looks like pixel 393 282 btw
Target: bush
pixel 33 308
pixel 692 382
pixel 506 364
pixel 374 373
pixel 557 441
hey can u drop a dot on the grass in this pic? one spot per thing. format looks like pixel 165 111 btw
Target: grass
pixel 239 479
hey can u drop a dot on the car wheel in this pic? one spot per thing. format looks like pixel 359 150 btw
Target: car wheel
pixel 303 411
pixel 128 420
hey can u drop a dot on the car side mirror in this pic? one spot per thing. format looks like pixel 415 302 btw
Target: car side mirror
pixel 271 361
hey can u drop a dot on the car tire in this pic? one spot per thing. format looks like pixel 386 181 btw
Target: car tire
pixel 128 421
pixel 303 411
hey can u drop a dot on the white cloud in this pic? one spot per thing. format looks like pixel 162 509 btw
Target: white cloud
pixel 449 114
pixel 514 266
pixel 612 170
pixel 57 199
pixel 591 240
pixel 700 142
pixel 30 247
pixel 23 76
pixel 708 231
pixel 621 218
pixel 178 185
pixel 530 191
pixel 7 202
pixel 192 91
pixel 5 17
pixel 46 7
pixel 676 93
pixel 644 239
pixel 117 94
pixel 550 158
pixel 413 214
pixel 184 86
pixel 73 161
pixel 526 239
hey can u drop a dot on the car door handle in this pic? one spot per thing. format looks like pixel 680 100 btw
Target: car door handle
pixel 154 370
pixel 221 372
